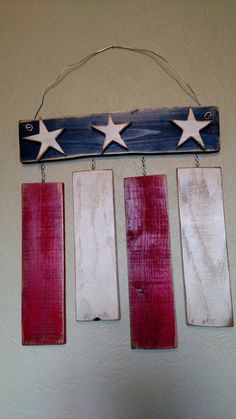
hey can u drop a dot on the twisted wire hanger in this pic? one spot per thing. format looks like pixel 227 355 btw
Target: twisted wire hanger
pixel 158 59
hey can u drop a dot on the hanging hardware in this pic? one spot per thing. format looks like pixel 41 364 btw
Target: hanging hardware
pixel 208 115
pixel 158 59
pixel 144 168
pixel 93 163
pixel 43 173
pixel 197 160
pixel 29 127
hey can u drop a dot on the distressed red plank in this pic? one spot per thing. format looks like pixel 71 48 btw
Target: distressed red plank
pixel 152 311
pixel 43 282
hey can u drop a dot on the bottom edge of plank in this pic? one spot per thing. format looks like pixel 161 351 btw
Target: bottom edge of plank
pixel 98 319
pixel 230 324
pixel 175 346
pixel 32 343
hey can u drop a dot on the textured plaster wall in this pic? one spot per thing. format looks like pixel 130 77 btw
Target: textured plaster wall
pixel 96 375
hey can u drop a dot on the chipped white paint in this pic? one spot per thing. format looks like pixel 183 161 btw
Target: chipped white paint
pixel 205 262
pixel 95 246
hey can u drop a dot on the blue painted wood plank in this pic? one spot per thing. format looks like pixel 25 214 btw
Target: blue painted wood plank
pixel 150 132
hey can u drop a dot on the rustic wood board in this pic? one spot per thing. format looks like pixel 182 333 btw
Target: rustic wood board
pixel 43 283
pixel 153 324
pixel 205 262
pixel 149 132
pixel 95 246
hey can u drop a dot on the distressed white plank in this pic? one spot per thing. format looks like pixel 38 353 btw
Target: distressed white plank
pixel 95 246
pixel 205 261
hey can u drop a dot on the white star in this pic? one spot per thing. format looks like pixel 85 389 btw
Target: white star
pixel 112 132
pixel 191 128
pixel 46 138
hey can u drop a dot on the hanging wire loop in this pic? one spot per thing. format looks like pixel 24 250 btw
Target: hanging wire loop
pixel 43 173
pixel 158 59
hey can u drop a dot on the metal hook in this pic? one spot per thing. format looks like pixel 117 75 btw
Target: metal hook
pixel 208 115
pixel 29 127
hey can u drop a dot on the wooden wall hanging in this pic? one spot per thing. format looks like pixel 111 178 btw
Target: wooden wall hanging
pixel 95 246
pixel 43 276
pixel 155 131
pixel 205 262
pixel 139 132
pixel 152 311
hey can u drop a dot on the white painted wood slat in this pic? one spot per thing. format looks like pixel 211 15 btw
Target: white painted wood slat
pixel 95 246
pixel 204 250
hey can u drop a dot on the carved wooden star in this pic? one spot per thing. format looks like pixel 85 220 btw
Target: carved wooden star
pixel 46 138
pixel 191 128
pixel 112 133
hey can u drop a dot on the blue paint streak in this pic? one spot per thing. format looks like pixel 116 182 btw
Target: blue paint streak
pixel 139 133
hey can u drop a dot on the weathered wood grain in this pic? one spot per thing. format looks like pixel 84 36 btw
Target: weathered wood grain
pixel 149 131
pixel 95 246
pixel 152 311
pixel 43 282
pixel 205 262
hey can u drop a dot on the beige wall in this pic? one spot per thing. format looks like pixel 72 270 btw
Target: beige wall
pixel 96 375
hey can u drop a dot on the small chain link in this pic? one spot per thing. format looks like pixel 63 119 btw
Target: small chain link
pixel 144 168
pixel 196 160
pixel 93 163
pixel 43 174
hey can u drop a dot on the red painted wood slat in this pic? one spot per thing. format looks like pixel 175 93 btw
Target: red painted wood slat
pixel 152 311
pixel 43 280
